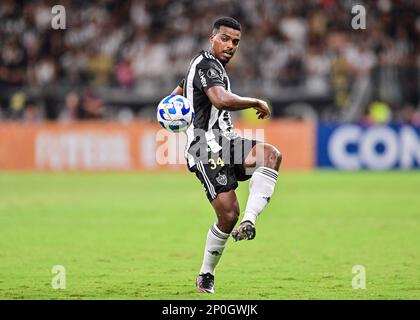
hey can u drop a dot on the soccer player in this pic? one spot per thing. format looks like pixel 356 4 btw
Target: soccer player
pixel 218 157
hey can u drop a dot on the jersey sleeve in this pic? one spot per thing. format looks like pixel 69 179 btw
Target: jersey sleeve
pixel 181 83
pixel 207 75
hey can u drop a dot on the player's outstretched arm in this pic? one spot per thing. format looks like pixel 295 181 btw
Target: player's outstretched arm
pixel 225 100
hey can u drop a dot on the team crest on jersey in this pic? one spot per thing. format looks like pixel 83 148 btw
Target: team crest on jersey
pixel 212 73
pixel 221 179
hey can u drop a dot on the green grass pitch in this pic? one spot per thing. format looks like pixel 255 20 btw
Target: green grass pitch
pixel 141 236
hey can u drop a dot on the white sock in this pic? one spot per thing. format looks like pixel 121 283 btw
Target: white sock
pixel 215 244
pixel 261 188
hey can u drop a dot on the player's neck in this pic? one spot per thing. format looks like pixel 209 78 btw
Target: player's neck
pixel 212 53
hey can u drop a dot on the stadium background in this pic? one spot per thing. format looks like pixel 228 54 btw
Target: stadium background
pixel 84 99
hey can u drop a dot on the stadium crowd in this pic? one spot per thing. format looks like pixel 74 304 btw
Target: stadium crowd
pixel 139 48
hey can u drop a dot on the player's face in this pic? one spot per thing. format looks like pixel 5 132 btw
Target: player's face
pixel 224 43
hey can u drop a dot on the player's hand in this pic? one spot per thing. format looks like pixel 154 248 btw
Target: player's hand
pixel 263 111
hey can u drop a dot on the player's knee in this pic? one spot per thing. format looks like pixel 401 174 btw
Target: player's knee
pixel 277 156
pixel 228 220
pixel 273 156
pixel 232 217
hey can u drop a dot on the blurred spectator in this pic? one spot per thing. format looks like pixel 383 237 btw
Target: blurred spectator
pixel 45 71
pixel 12 62
pixel 124 74
pixel 317 69
pixel 93 107
pixel 32 113
pixel 409 115
pixel 72 108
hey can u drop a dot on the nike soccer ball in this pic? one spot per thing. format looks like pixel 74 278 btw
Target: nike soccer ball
pixel 175 113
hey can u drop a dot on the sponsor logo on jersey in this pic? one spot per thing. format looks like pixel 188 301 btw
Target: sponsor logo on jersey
pixel 202 78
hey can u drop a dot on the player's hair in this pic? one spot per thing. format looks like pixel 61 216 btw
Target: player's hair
pixel 226 22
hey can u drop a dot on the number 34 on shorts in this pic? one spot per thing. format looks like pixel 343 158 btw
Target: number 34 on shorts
pixel 214 163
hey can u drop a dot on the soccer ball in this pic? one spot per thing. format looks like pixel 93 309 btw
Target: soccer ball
pixel 175 113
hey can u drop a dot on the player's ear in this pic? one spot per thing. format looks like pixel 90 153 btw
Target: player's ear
pixel 211 38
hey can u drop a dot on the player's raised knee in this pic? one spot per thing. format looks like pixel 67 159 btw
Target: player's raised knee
pixel 272 157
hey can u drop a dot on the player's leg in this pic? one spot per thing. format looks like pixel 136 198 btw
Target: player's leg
pixel 264 159
pixel 226 207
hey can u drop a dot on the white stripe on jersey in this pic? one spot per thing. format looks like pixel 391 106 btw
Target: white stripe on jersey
pixel 228 82
pixel 210 187
pixel 190 96
pixel 225 125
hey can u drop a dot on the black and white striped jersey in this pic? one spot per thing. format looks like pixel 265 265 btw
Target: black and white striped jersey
pixel 206 71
